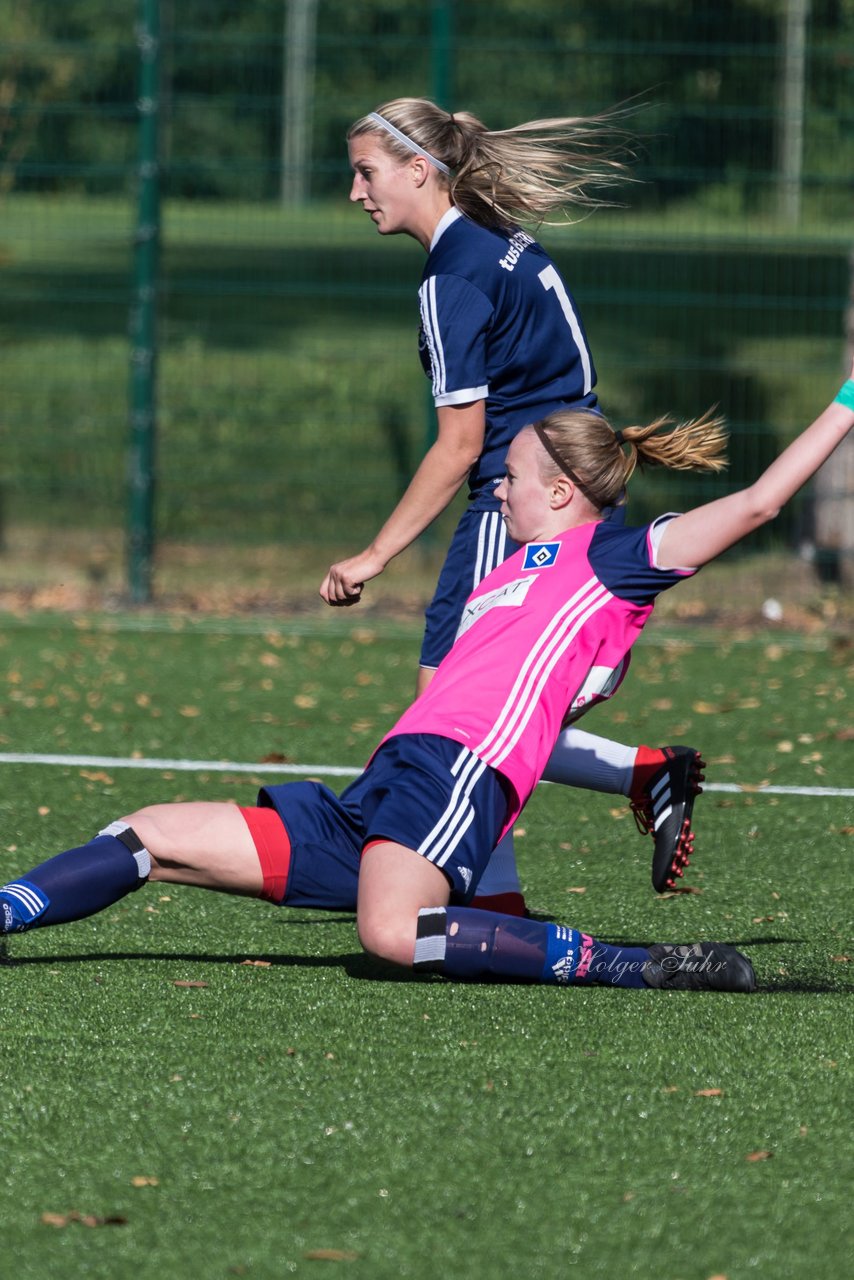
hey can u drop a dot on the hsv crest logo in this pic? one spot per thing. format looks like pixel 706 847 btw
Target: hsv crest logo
pixel 541 555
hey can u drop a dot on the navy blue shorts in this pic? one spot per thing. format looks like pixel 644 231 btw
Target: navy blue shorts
pixel 479 545
pixel 420 790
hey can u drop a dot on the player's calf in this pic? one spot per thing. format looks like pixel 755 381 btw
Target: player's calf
pixel 77 883
pixel 461 943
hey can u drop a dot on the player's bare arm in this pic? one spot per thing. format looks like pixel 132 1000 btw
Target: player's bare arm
pixel 435 484
pixel 695 538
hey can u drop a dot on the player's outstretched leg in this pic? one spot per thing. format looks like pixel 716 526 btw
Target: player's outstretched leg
pixel 661 782
pixel 77 883
pixel 461 943
pixel 665 783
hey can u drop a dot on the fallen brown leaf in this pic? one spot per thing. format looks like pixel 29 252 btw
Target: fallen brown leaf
pixel 84 1219
pixel 755 1156
pixel 56 1219
pixel 708 1093
pixel 331 1255
pixel 96 775
pixel 144 1180
pixel 180 983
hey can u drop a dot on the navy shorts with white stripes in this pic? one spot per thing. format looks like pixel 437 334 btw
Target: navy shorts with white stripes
pixel 478 546
pixel 423 791
pixel 434 796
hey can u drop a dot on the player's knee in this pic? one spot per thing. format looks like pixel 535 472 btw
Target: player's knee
pixel 146 829
pixel 388 938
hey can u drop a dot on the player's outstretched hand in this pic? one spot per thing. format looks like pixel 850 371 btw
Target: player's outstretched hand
pixel 344 581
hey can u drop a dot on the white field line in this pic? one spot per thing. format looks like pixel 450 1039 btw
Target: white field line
pixel 336 771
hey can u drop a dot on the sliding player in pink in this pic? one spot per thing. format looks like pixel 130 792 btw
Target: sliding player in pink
pixel 544 637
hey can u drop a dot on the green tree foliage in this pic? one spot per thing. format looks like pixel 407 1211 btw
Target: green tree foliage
pixel 707 75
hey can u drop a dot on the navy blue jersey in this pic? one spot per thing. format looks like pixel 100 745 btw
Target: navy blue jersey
pixel 499 324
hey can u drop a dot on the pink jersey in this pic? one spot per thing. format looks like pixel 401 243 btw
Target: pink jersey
pixel 543 638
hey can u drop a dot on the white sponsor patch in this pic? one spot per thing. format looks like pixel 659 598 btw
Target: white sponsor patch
pixel 510 596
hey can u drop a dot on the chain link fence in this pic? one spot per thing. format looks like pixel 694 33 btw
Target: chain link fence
pixel 288 401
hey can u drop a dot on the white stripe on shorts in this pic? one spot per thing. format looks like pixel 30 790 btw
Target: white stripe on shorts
pixel 491 544
pixel 459 814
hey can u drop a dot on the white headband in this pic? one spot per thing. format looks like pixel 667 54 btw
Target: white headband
pixel 407 142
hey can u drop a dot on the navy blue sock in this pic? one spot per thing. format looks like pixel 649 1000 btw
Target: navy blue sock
pixel 464 943
pixel 76 883
pixel 614 966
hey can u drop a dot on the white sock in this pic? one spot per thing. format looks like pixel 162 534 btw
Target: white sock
pixel 582 759
pixel 500 875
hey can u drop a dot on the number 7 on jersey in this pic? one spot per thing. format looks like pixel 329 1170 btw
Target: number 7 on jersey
pixel 550 279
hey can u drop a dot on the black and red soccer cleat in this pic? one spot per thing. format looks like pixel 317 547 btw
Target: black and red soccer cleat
pixel 665 783
pixel 700 966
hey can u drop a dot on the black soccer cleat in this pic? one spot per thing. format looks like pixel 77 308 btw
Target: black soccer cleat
pixel 700 966
pixel 662 798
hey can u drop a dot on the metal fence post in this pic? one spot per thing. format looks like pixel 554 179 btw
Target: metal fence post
pixel 442 89
pixel 442 52
pixel 143 317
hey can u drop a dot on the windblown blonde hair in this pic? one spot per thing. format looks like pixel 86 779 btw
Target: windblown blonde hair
pixel 593 456
pixel 504 176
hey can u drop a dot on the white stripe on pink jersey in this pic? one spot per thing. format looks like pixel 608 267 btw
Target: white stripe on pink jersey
pixel 542 658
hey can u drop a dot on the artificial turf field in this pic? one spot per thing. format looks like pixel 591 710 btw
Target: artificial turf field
pixel 201 1086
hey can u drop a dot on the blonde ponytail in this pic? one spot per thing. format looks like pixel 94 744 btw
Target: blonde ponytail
pixel 528 173
pixel 584 445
